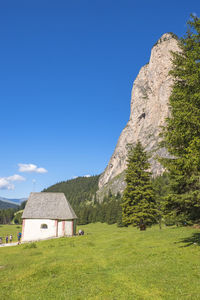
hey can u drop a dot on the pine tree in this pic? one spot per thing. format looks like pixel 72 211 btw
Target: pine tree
pixel 181 136
pixel 161 191
pixel 119 215
pixel 138 203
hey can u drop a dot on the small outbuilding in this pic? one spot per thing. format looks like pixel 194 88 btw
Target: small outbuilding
pixel 47 215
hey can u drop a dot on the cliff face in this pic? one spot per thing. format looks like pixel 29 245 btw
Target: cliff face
pixel 149 108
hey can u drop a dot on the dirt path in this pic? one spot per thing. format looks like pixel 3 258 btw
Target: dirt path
pixel 8 245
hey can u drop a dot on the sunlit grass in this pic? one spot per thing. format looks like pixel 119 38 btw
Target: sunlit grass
pixel 9 229
pixel 106 263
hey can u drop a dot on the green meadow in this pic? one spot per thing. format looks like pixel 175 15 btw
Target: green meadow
pixel 106 263
pixel 9 229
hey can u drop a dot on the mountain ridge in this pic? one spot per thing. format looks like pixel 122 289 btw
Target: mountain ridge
pixel 13 201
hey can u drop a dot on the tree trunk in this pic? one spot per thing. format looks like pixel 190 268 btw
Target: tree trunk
pixel 142 227
pixel 160 222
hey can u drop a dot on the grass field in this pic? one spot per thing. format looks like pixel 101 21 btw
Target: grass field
pixel 9 229
pixel 107 263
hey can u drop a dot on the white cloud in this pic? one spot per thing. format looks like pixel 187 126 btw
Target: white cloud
pixel 88 175
pixel 6 185
pixel 16 177
pixel 31 168
pixel 6 182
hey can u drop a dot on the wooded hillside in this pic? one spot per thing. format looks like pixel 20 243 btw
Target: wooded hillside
pixel 78 190
pixel 81 193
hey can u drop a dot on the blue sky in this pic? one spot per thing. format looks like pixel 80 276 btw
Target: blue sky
pixel 66 73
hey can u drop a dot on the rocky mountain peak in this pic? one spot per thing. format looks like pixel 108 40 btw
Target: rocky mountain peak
pixel 167 36
pixel 149 109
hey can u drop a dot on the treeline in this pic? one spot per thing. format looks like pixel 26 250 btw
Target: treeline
pixel 109 211
pixel 6 215
pixel 147 200
pixel 78 190
pixel 81 194
pixel 12 214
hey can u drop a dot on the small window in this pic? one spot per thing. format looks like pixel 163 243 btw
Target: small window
pixel 44 226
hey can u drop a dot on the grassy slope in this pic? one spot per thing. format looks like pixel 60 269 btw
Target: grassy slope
pixel 107 263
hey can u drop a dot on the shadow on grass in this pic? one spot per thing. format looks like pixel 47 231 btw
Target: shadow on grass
pixel 192 240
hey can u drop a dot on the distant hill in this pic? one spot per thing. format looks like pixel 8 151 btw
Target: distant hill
pixel 6 205
pixel 10 203
pixel 78 191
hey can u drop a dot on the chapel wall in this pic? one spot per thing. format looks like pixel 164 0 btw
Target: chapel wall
pixel 32 229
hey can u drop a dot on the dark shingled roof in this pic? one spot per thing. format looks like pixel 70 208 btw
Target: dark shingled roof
pixel 48 206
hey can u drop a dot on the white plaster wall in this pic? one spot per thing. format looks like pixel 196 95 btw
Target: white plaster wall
pixel 33 231
pixel 68 228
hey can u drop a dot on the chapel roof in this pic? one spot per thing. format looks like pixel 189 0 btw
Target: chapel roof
pixel 48 206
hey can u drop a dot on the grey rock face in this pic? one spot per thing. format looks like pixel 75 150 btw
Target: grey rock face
pixel 149 108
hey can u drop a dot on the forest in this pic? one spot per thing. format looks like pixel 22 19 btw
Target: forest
pixel 81 193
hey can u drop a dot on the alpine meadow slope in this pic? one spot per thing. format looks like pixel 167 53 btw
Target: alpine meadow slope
pixel 106 263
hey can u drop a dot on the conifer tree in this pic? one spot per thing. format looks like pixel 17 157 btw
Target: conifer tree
pixel 181 136
pixel 138 204
pixel 161 191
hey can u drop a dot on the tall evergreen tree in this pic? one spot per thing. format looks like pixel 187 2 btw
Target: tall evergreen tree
pixel 138 203
pixel 161 190
pixel 181 136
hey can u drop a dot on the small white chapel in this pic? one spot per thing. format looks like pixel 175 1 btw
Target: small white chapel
pixel 47 215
